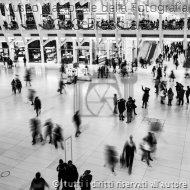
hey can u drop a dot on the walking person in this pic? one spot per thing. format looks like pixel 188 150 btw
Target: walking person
pixel 111 158
pixel 115 102
pixel 58 136
pixel 170 97
pixel 18 85
pixel 181 96
pixel 31 96
pixel 61 169
pixel 61 86
pixel 36 130
pixel 172 76
pixel 132 150
pixel 24 60
pixel 85 180
pixel 28 77
pixel 49 130
pixel 13 84
pixel 154 71
pixel 37 106
pixel 38 183
pixel 77 121
pixel 187 94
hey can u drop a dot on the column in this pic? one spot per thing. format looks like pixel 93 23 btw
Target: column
pixel 26 53
pixel 7 13
pixel 42 51
pixel 74 51
pixel 185 27
pixel 23 13
pixel 160 29
pixel 108 48
pixel 137 29
pixel 11 50
pixel 91 52
pixel 58 47
pixel 53 7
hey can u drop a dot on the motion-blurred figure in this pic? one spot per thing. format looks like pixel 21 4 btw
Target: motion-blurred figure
pixel 37 106
pixel 28 77
pixel 115 101
pixel 111 157
pixel 145 97
pixel 61 86
pixel 58 136
pixel 13 84
pixel 49 130
pixel 77 121
pixel 36 130
pixel 121 108
pixel 18 85
pixel 31 95
pixel 128 153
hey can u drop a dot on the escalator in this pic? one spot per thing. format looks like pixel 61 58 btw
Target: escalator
pixel 151 52
pixel 144 49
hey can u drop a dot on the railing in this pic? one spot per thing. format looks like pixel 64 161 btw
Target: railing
pixel 29 26
pixel 11 26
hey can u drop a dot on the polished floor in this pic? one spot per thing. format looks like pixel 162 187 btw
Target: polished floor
pixel 99 128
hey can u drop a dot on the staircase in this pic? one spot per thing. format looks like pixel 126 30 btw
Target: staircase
pixel 151 53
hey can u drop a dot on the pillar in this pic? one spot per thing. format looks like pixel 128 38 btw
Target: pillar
pixel 160 29
pixel 137 29
pixel 11 50
pixel 7 13
pixel 42 51
pixel 108 48
pixel 74 51
pixel 26 53
pixel 53 7
pixel 91 52
pixel 185 27
pixel 58 48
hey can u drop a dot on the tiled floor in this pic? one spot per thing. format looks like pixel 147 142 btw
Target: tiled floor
pixel 99 127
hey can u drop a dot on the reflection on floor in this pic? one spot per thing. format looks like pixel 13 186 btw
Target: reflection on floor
pixel 99 127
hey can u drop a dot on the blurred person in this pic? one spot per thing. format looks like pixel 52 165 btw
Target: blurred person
pixel 187 94
pixel 37 105
pixel 157 83
pixel 61 169
pixel 121 108
pixel 170 97
pixel 163 95
pixel 145 97
pixel 58 136
pixel 18 85
pixel 181 96
pixel 111 158
pixel 85 180
pixel 24 60
pixel 154 71
pixel 28 77
pixel 49 130
pixel 77 121
pixel 61 86
pixel 31 95
pixel 129 106
pixel 71 176
pixel 38 183
pixel 172 76
pixel 115 101
pixel 13 84
pixel 36 130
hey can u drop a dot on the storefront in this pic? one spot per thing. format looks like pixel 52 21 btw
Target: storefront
pixel 50 53
pixel 4 51
pixel 34 51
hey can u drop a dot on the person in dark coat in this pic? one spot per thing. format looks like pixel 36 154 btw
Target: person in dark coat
pixel 24 60
pixel 61 86
pixel 85 180
pixel 115 101
pixel 187 94
pixel 58 136
pixel 18 85
pixel 71 176
pixel 37 106
pixel 38 183
pixel 31 95
pixel 145 97
pixel 61 169
pixel 181 96
pixel 28 77
pixel 49 130
pixel 13 84
pixel 159 72
pixel 121 108
pixel 77 121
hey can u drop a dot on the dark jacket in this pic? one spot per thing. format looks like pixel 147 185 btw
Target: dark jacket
pixel 85 181
pixel 37 103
